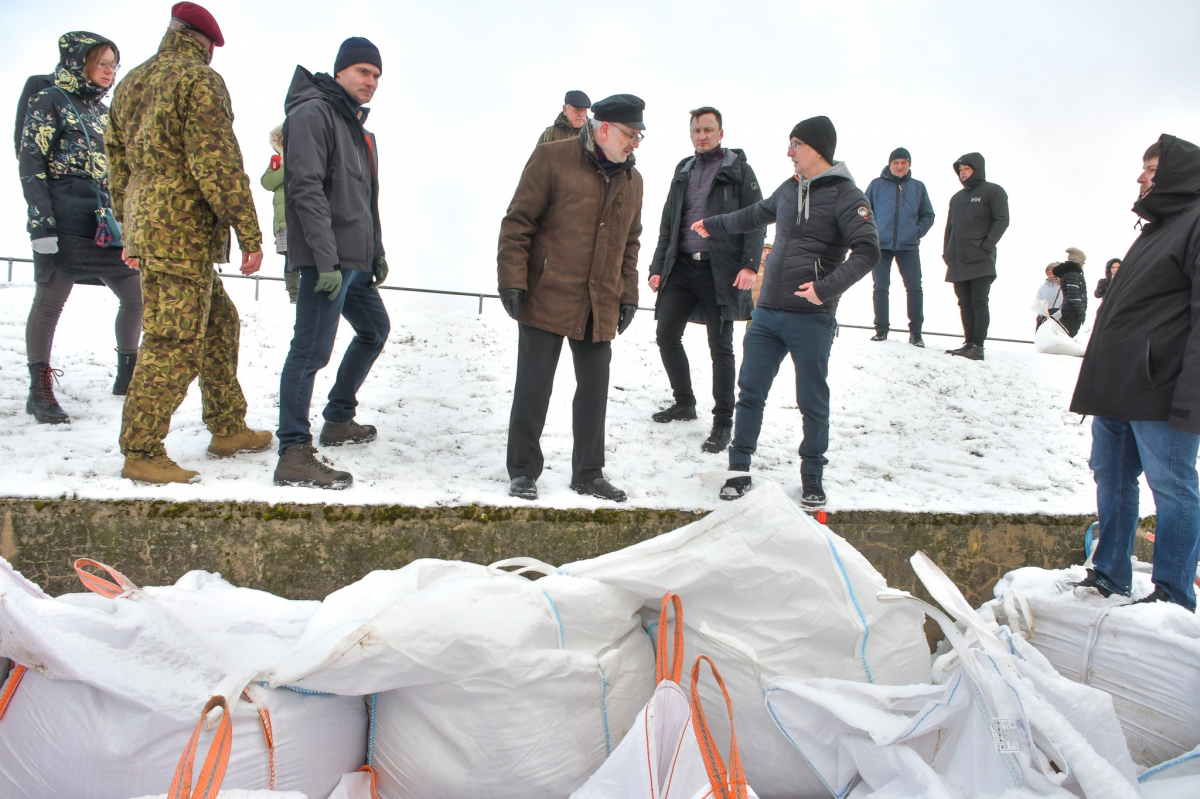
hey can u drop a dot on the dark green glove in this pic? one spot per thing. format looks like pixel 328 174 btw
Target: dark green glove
pixel 330 282
pixel 380 273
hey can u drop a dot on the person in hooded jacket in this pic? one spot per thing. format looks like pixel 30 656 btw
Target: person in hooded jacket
pixel 705 280
pixel 33 85
pixel 64 175
pixel 977 219
pixel 334 239
pixel 272 181
pixel 819 216
pixel 903 215
pixel 1140 379
pixel 1110 270
pixel 1074 290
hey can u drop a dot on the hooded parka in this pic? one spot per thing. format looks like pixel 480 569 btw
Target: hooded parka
pixel 977 219
pixel 175 168
pixel 814 229
pixel 570 239
pixel 1143 359
pixel 733 187
pixel 330 189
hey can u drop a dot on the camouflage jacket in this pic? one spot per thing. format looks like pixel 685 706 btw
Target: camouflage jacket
pixel 175 168
pixel 59 174
pixel 561 130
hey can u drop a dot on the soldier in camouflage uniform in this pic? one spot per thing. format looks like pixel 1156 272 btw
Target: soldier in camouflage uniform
pixel 175 171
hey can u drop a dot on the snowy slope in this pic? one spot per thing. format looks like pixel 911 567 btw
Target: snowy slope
pixel 912 429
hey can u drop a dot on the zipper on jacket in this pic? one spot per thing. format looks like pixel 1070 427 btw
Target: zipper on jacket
pixel 545 263
pixel 896 221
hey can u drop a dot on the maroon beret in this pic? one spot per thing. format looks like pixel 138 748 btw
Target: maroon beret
pixel 197 17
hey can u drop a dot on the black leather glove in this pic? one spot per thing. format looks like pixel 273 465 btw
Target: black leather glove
pixel 379 273
pixel 511 300
pixel 626 318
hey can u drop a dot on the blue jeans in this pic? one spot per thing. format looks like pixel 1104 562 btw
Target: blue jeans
pixel 909 264
pixel 1120 452
pixel 771 336
pixel 312 344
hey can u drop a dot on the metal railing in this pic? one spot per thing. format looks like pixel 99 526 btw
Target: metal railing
pixel 481 296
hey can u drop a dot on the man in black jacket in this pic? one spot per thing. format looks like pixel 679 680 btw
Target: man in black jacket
pixel 706 280
pixel 819 215
pixel 1140 379
pixel 978 218
pixel 331 201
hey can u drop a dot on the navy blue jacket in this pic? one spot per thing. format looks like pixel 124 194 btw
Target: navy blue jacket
pixel 903 212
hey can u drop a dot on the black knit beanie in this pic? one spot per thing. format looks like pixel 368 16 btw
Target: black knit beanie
pixel 899 152
pixel 357 50
pixel 817 133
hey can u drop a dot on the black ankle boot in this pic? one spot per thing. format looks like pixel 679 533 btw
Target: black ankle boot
pixel 42 403
pixel 125 363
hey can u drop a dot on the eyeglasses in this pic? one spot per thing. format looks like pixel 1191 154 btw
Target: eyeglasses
pixel 637 137
pixel 108 66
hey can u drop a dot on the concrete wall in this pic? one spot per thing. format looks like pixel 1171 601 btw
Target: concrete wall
pixel 308 551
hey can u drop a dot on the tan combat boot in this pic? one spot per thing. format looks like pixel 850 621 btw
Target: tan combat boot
pixel 159 469
pixel 246 441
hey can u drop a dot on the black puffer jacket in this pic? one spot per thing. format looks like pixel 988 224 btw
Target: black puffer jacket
pixel 1143 359
pixel 734 187
pixel 810 248
pixel 330 191
pixel 59 175
pixel 1074 292
pixel 978 218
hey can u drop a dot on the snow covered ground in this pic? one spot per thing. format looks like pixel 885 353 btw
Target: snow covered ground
pixel 912 430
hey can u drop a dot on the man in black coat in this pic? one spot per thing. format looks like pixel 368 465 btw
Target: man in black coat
pixel 705 280
pixel 1140 379
pixel 819 216
pixel 978 218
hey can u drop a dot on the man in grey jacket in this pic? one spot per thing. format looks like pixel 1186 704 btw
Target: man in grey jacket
pixel 331 203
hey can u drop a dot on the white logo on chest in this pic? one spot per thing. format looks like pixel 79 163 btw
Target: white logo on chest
pixel 976 199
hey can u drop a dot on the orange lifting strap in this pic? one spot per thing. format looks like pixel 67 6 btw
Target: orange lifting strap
pixel 731 785
pixel 672 670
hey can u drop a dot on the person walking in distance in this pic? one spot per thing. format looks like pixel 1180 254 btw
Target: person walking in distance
pixel 272 181
pixel 175 170
pixel 567 267
pixel 335 240
pixel 819 216
pixel 1140 380
pixel 572 117
pixel 904 215
pixel 706 280
pixel 65 180
pixel 978 218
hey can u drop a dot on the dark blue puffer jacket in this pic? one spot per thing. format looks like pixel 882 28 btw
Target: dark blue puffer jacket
pixel 903 212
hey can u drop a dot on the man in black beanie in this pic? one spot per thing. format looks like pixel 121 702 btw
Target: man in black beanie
pixel 819 216
pixel 331 202
pixel 904 215
pixel 572 117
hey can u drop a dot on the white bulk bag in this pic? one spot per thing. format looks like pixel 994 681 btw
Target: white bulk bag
pixel 763 572
pixel 999 722
pixel 1146 657
pixel 1178 778
pixel 120 677
pixel 1052 338
pixel 489 683
pixel 663 755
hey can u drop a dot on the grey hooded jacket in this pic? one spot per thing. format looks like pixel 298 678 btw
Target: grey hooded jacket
pixel 331 191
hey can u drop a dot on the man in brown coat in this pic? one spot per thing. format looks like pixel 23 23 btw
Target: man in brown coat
pixel 567 267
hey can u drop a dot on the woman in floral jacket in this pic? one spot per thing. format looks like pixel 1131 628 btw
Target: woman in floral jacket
pixel 65 182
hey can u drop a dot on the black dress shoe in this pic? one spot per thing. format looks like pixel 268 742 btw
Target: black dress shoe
pixel 879 337
pixel 676 413
pixel 718 439
pixel 916 340
pixel 600 488
pixel 523 487
pixel 959 350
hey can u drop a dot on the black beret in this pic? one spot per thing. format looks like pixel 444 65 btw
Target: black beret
pixel 577 99
pixel 623 108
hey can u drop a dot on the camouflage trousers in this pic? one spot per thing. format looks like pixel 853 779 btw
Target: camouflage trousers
pixel 191 329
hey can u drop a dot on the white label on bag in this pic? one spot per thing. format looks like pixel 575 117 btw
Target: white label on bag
pixel 1007 735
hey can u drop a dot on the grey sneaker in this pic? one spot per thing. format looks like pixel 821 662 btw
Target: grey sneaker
pixel 334 434
pixel 299 466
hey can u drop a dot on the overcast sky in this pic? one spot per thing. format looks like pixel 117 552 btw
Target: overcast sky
pixel 1061 98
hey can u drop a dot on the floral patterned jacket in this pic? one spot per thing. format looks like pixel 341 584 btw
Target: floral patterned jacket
pixel 58 174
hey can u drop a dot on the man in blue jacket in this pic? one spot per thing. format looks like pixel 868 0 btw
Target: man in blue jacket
pixel 903 215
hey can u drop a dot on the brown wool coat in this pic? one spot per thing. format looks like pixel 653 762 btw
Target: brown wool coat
pixel 570 240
